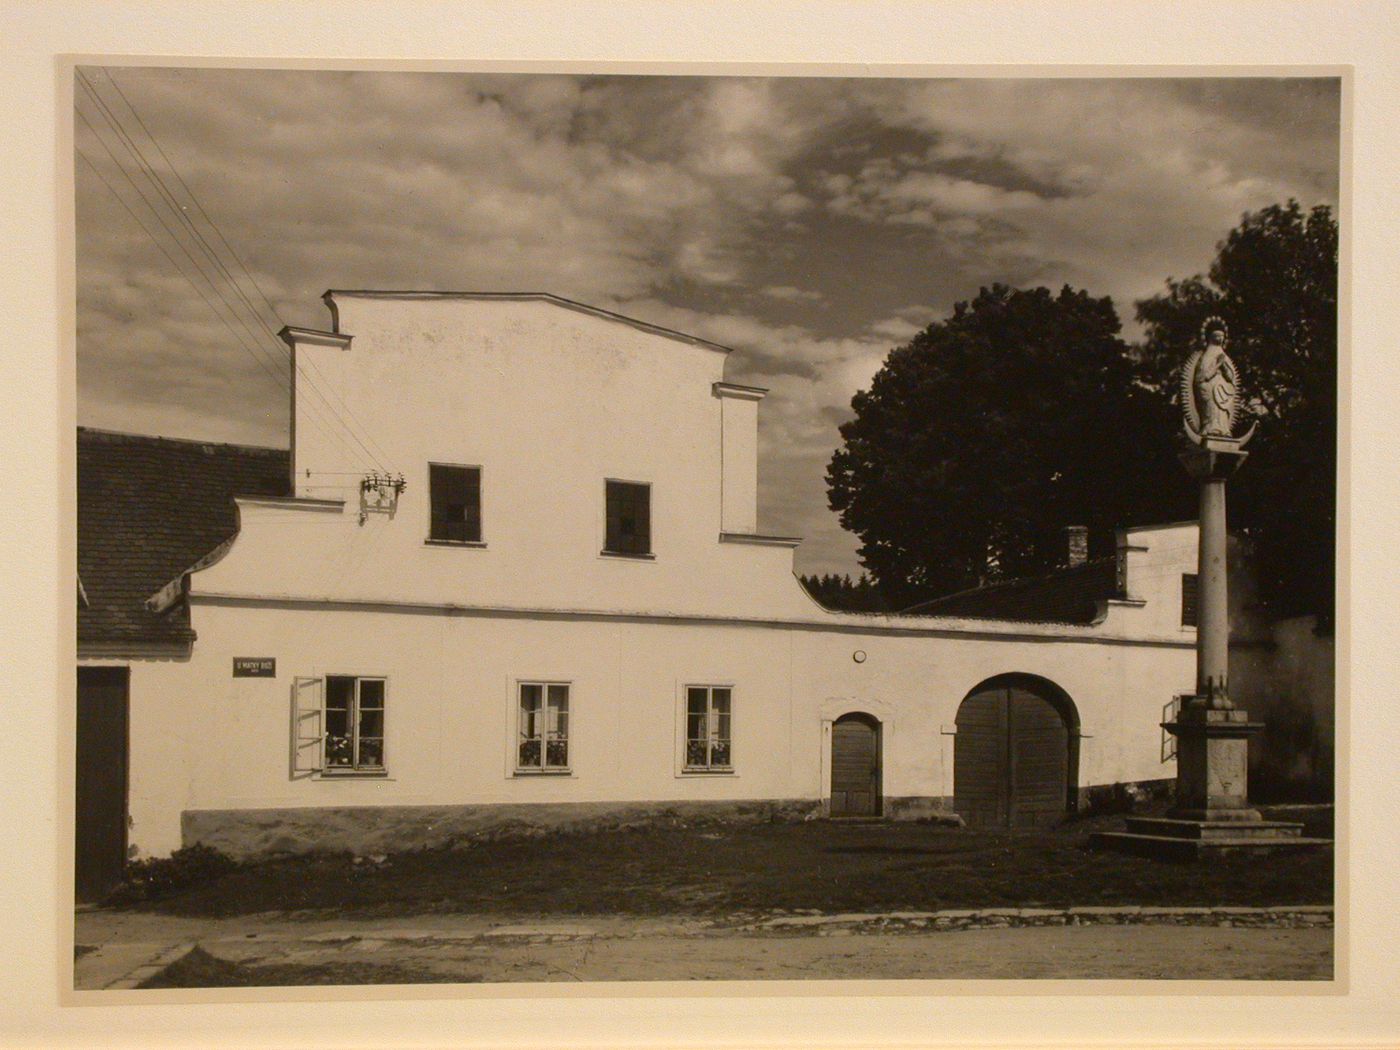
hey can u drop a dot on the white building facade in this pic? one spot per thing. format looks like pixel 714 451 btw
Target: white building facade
pixel 567 614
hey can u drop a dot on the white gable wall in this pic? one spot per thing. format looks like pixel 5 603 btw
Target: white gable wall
pixel 549 402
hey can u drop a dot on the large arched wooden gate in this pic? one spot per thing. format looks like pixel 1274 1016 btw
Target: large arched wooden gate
pixel 1016 753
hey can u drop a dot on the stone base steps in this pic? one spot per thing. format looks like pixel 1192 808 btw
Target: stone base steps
pixel 1180 848
pixel 1213 829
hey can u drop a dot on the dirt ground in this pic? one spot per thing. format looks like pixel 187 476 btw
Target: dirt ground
pixel 719 869
pixel 1089 952
pixel 281 950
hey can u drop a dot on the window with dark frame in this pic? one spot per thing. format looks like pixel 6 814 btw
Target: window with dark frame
pixel 707 729
pixel 1188 599
pixel 455 495
pixel 544 727
pixel 354 723
pixel 629 518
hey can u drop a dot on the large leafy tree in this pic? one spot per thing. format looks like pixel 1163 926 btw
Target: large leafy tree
pixel 989 433
pixel 1274 281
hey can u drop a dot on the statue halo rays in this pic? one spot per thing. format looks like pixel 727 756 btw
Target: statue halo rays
pixel 1210 401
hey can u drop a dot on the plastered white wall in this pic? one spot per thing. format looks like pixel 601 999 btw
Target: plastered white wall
pixel 205 740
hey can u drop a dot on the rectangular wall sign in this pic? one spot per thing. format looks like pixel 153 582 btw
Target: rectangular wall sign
pixel 254 667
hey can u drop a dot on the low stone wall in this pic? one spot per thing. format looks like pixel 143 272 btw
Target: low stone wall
pixel 1124 797
pixel 367 830
pixel 921 807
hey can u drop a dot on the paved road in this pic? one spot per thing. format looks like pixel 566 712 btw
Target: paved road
pixel 475 948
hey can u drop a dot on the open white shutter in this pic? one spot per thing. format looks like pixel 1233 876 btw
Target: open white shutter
pixel 308 732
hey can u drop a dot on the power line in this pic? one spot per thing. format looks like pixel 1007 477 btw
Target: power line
pixel 259 356
pixel 228 247
pixel 168 197
pixel 276 376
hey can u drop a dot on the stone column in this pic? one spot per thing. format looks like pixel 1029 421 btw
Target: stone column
pixel 1212 594
pixel 1212 762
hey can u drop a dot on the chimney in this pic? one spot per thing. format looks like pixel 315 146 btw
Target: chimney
pixel 1076 545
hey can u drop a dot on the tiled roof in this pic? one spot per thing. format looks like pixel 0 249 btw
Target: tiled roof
pixel 148 509
pixel 1069 595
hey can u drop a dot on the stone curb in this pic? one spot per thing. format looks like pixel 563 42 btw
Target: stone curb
pixel 844 924
pixel 151 967
pixel 963 918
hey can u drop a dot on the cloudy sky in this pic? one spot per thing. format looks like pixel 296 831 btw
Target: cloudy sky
pixel 812 224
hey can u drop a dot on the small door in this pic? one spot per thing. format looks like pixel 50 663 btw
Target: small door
pixel 855 767
pixel 1010 760
pixel 101 795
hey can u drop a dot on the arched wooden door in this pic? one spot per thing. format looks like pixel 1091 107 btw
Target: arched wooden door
pixel 1013 755
pixel 855 766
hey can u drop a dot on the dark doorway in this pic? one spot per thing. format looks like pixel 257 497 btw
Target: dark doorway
pixel 100 847
pixel 1015 756
pixel 855 766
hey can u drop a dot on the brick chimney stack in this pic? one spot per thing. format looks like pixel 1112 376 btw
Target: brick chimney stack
pixel 1076 544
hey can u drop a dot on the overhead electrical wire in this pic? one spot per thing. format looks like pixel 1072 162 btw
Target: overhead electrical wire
pixel 271 371
pixel 246 341
pixel 167 197
pixel 231 251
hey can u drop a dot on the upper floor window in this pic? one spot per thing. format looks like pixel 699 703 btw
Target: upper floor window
pixel 1188 599
pixel 707 729
pixel 628 518
pixel 455 494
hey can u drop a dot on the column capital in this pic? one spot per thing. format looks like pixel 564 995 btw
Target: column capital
pixel 1215 459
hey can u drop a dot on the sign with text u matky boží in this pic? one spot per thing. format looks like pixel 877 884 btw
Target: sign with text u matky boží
pixel 254 667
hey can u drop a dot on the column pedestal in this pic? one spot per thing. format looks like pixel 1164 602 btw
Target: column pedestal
pixel 1212 815
pixel 1212 764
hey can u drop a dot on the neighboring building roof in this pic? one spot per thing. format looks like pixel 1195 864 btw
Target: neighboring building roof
pixel 1068 595
pixel 148 509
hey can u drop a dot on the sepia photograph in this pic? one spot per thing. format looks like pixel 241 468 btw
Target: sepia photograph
pixel 595 527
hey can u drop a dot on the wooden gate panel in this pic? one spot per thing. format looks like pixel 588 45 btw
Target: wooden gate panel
pixel 101 787
pixel 979 760
pixel 1039 761
pixel 1010 760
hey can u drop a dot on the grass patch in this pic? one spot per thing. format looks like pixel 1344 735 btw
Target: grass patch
pixel 821 866
pixel 199 969
pixel 157 877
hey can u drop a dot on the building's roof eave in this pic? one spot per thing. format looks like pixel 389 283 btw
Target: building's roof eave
pixel 135 650
pixel 557 300
pixel 127 437
pixel 876 623
pixel 1000 586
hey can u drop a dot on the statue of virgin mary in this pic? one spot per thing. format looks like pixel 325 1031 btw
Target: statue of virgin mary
pixel 1210 385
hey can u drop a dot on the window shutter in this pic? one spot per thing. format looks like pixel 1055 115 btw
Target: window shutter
pixel 613 541
pixel 1188 599
pixel 307 725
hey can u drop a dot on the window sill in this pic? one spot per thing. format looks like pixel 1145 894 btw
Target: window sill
pixel 353 774
pixel 472 544
pixel 711 771
pixel 630 556
pixel 543 773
